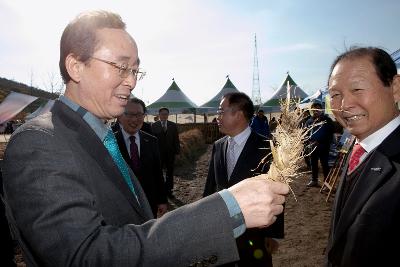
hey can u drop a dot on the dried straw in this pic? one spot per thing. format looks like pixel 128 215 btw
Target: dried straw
pixel 287 146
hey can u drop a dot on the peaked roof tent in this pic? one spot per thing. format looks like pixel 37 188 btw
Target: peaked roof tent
pixel 213 104
pixel 273 105
pixel 173 99
pixel 396 58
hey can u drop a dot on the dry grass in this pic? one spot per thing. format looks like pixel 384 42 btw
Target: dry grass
pixel 192 146
pixel 287 146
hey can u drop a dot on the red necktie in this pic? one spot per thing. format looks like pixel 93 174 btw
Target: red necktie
pixel 355 156
pixel 134 154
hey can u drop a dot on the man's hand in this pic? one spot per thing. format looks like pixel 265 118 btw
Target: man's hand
pixel 260 200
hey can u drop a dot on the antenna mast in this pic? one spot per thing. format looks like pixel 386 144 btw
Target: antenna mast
pixel 255 93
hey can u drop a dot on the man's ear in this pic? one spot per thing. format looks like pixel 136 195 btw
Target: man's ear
pixel 74 67
pixel 396 88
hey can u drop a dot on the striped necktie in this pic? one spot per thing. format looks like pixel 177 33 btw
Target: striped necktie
pixel 111 144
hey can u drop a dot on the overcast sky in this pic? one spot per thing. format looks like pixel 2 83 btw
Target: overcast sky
pixel 199 42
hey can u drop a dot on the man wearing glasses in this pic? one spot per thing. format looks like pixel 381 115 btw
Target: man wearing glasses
pixel 140 151
pixel 70 197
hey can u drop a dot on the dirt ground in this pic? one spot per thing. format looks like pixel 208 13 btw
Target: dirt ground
pixel 306 221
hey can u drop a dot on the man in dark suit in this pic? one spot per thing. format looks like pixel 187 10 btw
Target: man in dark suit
pixel 140 151
pixel 364 87
pixel 72 200
pixel 236 157
pixel 168 142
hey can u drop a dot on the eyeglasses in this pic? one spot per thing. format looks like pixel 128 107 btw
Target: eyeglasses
pixel 124 71
pixel 134 115
pixel 221 112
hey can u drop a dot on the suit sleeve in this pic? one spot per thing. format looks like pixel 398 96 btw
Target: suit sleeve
pixel 56 215
pixel 210 186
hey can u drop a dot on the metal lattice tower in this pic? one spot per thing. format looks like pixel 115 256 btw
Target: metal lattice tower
pixel 255 93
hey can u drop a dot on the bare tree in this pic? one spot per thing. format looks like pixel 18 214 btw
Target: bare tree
pixel 54 83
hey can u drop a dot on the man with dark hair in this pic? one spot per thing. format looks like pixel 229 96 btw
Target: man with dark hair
pixel 140 151
pixel 364 88
pixel 234 158
pixel 70 197
pixel 259 124
pixel 321 137
pixel 168 142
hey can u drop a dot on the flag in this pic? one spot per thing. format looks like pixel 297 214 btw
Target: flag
pixel 13 104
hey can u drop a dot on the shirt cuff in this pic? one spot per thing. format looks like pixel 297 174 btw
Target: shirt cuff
pixel 239 225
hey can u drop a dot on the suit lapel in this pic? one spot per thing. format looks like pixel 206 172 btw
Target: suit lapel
pixel 144 147
pixel 245 156
pixel 223 178
pixel 122 146
pixel 91 143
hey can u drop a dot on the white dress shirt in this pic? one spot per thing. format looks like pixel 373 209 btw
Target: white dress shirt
pixel 128 142
pixel 240 140
pixel 374 140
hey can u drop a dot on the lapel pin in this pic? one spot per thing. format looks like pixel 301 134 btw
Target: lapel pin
pixel 376 169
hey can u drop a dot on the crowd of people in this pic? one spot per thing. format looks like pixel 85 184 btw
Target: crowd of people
pixel 77 192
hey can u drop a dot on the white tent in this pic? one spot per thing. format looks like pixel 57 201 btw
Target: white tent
pixel 212 105
pixel 173 99
pixel 273 104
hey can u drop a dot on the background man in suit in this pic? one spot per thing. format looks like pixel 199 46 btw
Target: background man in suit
pixel 72 200
pixel 168 142
pixel 140 151
pixel 364 87
pixel 236 157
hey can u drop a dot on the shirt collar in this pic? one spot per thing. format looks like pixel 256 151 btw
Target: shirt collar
pixel 242 136
pixel 97 125
pixel 375 139
pixel 127 135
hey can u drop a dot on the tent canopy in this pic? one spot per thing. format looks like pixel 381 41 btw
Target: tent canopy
pixel 173 99
pixel 396 58
pixel 273 104
pixel 213 104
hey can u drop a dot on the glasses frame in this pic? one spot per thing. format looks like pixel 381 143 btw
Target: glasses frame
pixel 221 112
pixel 123 70
pixel 134 115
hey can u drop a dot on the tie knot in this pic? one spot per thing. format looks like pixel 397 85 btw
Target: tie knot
pixel 358 150
pixel 132 138
pixel 355 156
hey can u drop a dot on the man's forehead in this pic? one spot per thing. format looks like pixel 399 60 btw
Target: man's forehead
pixel 133 106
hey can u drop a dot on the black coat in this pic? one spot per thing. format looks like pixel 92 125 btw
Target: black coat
pixel 366 232
pixel 150 173
pixel 248 165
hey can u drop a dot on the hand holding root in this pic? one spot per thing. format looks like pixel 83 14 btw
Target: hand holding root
pixel 260 200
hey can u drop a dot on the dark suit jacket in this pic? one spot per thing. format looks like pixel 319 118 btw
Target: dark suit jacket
pixel 150 172
pixel 247 166
pixel 146 127
pixel 366 231
pixel 69 205
pixel 168 141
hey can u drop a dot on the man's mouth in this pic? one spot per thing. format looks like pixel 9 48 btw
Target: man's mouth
pixel 354 118
pixel 122 97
